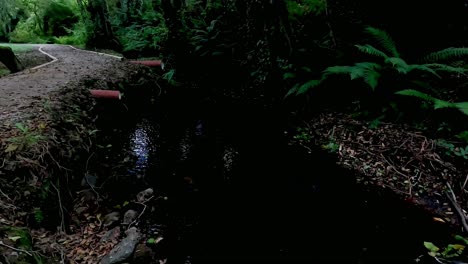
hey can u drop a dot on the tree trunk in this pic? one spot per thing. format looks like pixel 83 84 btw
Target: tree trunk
pixel 103 35
pixel 8 58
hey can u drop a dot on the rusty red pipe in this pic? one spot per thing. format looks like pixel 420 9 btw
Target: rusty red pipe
pixel 107 94
pixel 149 63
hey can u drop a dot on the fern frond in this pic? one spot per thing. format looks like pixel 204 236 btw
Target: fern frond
pixel 384 40
pixel 307 86
pixel 361 69
pixel 463 107
pixel 288 75
pixel 372 78
pixel 438 103
pixel 370 50
pixel 446 54
pixel 293 90
pixel 399 64
pixel 423 68
pixel 415 93
pixel 338 70
pixel 446 68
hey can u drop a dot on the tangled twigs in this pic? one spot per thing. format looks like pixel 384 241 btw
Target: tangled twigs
pixel 451 196
pixel 144 208
pixel 16 249
pixel 62 216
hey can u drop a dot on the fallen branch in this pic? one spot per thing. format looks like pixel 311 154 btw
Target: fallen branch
pixel 453 200
pixel 62 216
pixel 15 249
pixel 143 211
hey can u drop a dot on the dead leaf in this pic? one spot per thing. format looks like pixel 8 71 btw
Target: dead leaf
pixel 11 148
pixel 14 238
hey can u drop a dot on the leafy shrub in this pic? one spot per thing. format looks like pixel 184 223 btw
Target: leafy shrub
pixel 79 35
pixel 25 32
pixel 388 61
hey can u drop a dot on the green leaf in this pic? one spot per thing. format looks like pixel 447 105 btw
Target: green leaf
pixel 307 86
pixel 438 104
pixel 446 68
pixel 431 247
pixel 370 50
pixel 384 40
pixel 399 64
pixel 288 75
pixel 293 90
pixel 460 238
pixel 21 127
pixel 372 78
pixel 14 238
pixel 446 54
pixel 463 107
pixel 151 241
pixel 423 68
pixel 338 70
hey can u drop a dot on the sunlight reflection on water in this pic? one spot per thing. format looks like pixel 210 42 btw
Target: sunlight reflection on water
pixel 141 145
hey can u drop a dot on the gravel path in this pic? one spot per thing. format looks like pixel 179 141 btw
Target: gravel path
pixel 18 91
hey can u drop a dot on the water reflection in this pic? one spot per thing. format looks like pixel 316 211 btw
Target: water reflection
pixel 141 146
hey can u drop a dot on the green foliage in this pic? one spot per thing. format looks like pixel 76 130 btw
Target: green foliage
pixel 452 150
pixel 446 54
pixel 26 139
pixel 78 36
pixel 299 9
pixel 38 215
pixel 140 27
pixel 388 61
pixel 18 48
pixel 58 18
pixel 25 32
pixel 303 135
pixel 450 252
pixel 384 40
pixel 331 147
pixel 438 103
pixel 463 136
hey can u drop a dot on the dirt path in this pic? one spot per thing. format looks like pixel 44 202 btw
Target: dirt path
pixel 18 91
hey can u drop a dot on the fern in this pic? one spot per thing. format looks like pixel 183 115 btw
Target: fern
pixel 307 86
pixel 338 70
pixel 303 88
pixel 423 68
pixel 372 78
pixel 370 50
pixel 418 94
pixel 438 103
pixel 446 54
pixel 384 40
pixel 293 90
pixel 446 68
pixel 463 107
pixel 399 64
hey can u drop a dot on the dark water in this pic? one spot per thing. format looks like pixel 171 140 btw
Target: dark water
pixel 239 193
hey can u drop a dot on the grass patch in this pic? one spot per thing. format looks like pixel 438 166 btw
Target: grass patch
pixel 18 48
pixel 3 71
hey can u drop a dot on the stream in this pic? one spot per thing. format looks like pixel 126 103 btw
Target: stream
pixel 235 190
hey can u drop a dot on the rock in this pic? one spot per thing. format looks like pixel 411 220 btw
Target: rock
pixel 129 217
pixel 111 234
pixel 89 181
pixel 124 249
pixel 111 218
pixel 144 195
pixel 81 210
pixel 143 254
